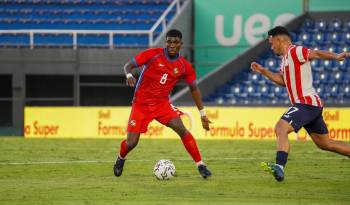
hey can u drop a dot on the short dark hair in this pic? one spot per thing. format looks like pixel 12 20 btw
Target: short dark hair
pixel 279 30
pixel 174 33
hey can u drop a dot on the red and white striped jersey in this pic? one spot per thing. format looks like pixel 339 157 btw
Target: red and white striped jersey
pixel 297 75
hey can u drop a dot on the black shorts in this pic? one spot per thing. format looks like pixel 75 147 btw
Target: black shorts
pixel 307 116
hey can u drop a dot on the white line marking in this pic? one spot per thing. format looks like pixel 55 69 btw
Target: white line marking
pixel 145 160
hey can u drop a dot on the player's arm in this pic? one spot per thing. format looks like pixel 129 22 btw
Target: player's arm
pixel 130 79
pixel 274 77
pixel 327 55
pixel 197 97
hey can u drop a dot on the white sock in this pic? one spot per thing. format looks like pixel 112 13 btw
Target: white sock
pixel 200 163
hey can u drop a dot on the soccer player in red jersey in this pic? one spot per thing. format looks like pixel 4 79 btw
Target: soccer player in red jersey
pixel 161 69
pixel 306 110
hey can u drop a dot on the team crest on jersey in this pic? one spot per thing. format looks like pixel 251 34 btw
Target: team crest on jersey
pixel 175 71
pixel 132 123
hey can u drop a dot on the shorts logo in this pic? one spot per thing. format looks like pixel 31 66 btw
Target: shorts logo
pixel 175 71
pixel 286 116
pixel 290 111
pixel 132 123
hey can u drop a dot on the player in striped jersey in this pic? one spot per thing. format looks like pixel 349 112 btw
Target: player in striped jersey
pixel 306 110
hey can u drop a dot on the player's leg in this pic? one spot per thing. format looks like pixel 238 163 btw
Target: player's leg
pixel 318 132
pixel 292 120
pixel 325 143
pixel 187 139
pixel 125 147
pixel 190 144
pixel 138 122
pixel 130 143
pixel 282 129
pixel 170 116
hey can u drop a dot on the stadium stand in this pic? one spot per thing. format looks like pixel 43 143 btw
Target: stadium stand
pixel 98 37
pixel 66 17
pixel 331 79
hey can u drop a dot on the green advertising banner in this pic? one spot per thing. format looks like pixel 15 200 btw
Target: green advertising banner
pixel 225 28
pixel 329 5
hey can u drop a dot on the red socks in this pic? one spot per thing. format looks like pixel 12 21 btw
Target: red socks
pixel 188 141
pixel 191 147
pixel 123 151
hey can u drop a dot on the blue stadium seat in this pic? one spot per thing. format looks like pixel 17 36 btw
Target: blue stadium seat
pixel 345 37
pixel 321 25
pixel 346 76
pixel 93 40
pixel 236 89
pixel 335 38
pixel 343 65
pixel 53 40
pixel 255 78
pixel 328 65
pixel 14 40
pixel 343 48
pixel 332 48
pixel 324 77
pixel 267 92
pixel 220 100
pixel 308 25
pixel 319 88
pixel 319 38
pixel 346 25
pixel 272 64
pixel 251 90
pixel 334 91
pixel 305 38
pixel 335 77
pixel 316 77
pixel 335 25
pixel 316 65
pixel 345 89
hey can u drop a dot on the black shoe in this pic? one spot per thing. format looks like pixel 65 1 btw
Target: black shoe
pixel 204 171
pixel 118 167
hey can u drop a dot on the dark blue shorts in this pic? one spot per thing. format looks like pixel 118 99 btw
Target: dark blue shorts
pixel 307 116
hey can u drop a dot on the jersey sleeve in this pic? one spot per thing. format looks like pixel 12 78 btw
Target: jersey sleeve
pixel 190 74
pixel 143 57
pixel 302 54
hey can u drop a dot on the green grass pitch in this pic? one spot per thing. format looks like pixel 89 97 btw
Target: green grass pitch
pixel 79 171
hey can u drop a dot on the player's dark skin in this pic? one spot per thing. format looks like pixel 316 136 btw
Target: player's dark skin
pixel 173 46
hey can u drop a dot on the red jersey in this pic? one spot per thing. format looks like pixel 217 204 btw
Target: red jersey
pixel 159 75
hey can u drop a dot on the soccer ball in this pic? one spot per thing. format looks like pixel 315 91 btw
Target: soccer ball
pixel 164 169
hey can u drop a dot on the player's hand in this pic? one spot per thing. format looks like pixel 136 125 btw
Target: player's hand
pixel 256 67
pixel 205 122
pixel 131 81
pixel 342 56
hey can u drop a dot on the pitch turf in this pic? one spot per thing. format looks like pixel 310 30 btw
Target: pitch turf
pixel 72 171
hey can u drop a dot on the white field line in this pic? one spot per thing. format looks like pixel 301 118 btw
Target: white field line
pixel 147 160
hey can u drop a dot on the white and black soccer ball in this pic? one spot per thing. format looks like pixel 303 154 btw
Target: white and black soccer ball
pixel 164 169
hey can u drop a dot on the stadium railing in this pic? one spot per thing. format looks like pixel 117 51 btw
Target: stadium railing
pixel 153 33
